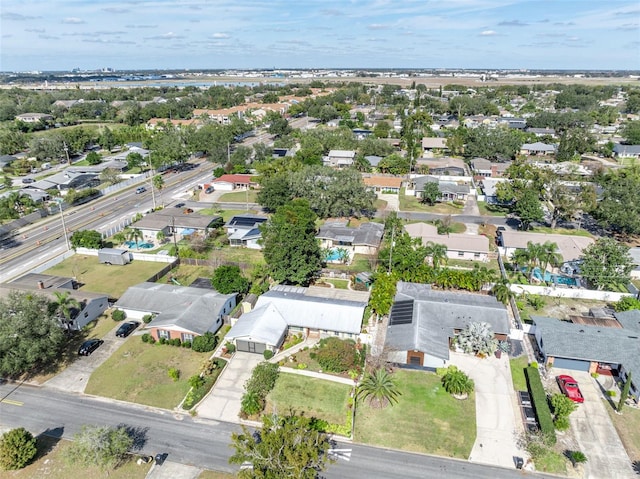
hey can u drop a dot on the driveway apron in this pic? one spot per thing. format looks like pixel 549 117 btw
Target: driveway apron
pixel 595 433
pixel 223 401
pixel 497 422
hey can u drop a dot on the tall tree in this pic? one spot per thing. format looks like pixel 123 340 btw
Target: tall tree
pixel 228 279
pixel 438 254
pixel 30 334
pixel 619 207
pixel 290 247
pixel 528 208
pixel 286 447
pixel 431 193
pixel 606 262
pixel 383 293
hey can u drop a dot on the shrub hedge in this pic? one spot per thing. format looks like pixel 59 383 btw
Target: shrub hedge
pixel 541 405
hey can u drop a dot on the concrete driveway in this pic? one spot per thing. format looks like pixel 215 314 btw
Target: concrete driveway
pixel 498 420
pixel 595 433
pixel 223 401
pixel 75 377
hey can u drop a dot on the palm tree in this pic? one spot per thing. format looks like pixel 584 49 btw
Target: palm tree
pixel 379 387
pixel 550 255
pixel 482 275
pixel 534 251
pixel 119 237
pixel 161 236
pixel 438 254
pixel 502 290
pixel 64 303
pixel 17 202
pixel 457 383
pixel 134 234
pixel 520 257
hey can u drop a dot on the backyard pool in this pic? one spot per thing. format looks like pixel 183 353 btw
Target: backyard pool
pixel 142 245
pixel 335 255
pixel 552 278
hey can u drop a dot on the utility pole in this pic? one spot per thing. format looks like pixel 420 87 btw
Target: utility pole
pixel 64 227
pixel 173 229
pixel 393 231
pixel 66 151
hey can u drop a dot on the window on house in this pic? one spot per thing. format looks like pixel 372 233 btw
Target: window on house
pixel 86 315
pixel 187 337
pixel 163 333
pixel 415 360
pixel 460 253
pixel 476 255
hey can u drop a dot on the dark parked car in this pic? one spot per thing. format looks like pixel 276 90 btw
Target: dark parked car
pixel 89 346
pixel 209 190
pixel 126 329
pixel 26 181
pixel 140 189
pixel 178 205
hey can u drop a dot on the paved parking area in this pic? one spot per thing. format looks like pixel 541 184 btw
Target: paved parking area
pixel 173 470
pixel 498 420
pixel 223 401
pixel 595 433
pixel 75 377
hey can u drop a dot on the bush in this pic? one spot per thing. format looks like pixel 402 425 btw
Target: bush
pixel 562 423
pixel 186 344
pixel 175 342
pixel 146 319
pixel 17 449
pixel 302 366
pixel 540 404
pixel 576 457
pixel 456 382
pixel 174 374
pixel 205 343
pixel 231 348
pixel 162 341
pixel 263 379
pixel 196 381
pixel 337 355
pixel 118 315
pixel 268 354
pixel 147 338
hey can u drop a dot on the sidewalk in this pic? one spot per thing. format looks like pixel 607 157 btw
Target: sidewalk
pixel 173 470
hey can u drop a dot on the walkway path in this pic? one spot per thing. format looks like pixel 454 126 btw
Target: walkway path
pixel 471 206
pixel 393 201
pixel 314 374
pixel 498 420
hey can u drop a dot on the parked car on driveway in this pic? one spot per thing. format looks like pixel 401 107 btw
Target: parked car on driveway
pixel 570 388
pixel 89 346
pixel 209 190
pixel 26 181
pixel 126 329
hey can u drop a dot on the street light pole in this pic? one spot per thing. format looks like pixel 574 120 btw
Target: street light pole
pixel 64 227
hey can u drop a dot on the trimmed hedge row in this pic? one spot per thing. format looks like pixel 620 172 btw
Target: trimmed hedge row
pixel 541 405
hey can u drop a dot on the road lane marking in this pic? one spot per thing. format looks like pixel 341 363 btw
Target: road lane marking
pixel 12 402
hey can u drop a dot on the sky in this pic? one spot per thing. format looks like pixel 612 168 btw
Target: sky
pixel 242 34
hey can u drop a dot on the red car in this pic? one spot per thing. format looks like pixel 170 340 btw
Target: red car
pixel 569 388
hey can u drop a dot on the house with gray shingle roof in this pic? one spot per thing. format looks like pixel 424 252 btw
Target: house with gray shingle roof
pixel 449 190
pixel 423 322
pixel 365 239
pixel 179 312
pixel 537 148
pixel 593 348
pixel 626 151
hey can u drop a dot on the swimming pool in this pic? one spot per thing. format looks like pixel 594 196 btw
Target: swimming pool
pixel 335 256
pixel 552 278
pixel 143 245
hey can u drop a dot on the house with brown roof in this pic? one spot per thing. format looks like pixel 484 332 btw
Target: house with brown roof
pixel 383 183
pixel 432 145
pixel 459 246
pixel 570 247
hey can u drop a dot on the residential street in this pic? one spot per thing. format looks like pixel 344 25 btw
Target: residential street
pixel 205 444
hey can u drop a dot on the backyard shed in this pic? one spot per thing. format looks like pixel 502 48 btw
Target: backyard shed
pixel 114 256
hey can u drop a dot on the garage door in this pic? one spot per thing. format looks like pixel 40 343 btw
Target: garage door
pixel 574 364
pixel 251 347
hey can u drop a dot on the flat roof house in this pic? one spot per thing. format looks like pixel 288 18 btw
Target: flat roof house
pixel 92 305
pixel 315 312
pixel 459 246
pixel 423 322
pixel 339 158
pixel 33 117
pixel 181 312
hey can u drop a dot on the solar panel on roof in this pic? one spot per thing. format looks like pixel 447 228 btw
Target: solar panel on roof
pixel 244 221
pixel 401 312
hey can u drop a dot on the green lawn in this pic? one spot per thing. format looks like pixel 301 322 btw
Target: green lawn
pixel 517 366
pixel 380 204
pixel 238 255
pixel 239 197
pixel 359 264
pixel 426 419
pixel 466 263
pixel 628 426
pixel 137 372
pixel 50 463
pixel 491 210
pixel 103 278
pixel 186 274
pixel 338 283
pixel 411 203
pixel 315 397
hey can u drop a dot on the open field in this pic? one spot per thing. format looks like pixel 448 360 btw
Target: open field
pixel 138 372
pixel 50 463
pixel 411 203
pixel 314 397
pixel 560 308
pixel 426 419
pixel 103 278
pixel 561 231
pixel 185 274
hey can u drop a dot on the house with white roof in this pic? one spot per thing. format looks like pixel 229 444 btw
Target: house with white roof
pixel 537 148
pixel 339 158
pixel 459 246
pixel 313 312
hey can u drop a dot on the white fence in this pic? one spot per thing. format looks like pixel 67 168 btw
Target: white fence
pixel 156 258
pixel 53 261
pixel 569 292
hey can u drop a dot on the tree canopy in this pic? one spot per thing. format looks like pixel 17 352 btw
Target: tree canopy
pixel 606 262
pixel 30 334
pixel 103 446
pixel 290 247
pixel 86 239
pixel 286 447
pixel 17 449
pixel 228 279
pixel 619 206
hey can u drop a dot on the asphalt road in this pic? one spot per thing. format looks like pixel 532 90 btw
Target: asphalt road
pixel 205 444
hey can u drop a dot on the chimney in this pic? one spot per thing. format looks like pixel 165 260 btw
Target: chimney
pixel 494 171
pixel 40 285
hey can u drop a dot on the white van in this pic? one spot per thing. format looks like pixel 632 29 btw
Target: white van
pixel 45 166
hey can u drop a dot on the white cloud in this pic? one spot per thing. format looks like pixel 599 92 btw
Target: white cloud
pixel 220 35
pixel 166 36
pixel 488 33
pixel 73 21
